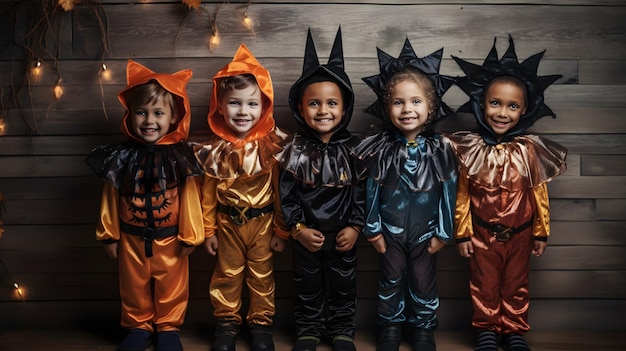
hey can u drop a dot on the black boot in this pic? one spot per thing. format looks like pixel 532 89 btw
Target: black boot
pixel 423 340
pixel 136 340
pixel 306 343
pixel 261 338
pixel 343 343
pixel 225 335
pixel 389 338
pixel 169 341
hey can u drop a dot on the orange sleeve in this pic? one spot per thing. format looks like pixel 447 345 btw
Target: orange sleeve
pixel 209 206
pixel 190 218
pixel 109 222
pixel 462 215
pixel 541 225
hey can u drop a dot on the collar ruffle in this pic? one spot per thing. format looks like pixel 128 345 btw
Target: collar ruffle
pixel 524 162
pixel 386 157
pixel 229 160
pixel 320 164
pixel 124 165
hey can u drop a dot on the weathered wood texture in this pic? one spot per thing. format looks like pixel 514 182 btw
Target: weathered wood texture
pixel 52 198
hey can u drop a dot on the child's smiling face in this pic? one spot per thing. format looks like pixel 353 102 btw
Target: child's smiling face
pixel 242 109
pixel 322 108
pixel 152 121
pixel 409 108
pixel 503 106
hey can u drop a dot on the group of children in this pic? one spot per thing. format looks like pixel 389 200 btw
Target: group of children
pixel 249 188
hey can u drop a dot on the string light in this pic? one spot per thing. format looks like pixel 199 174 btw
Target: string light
pixel 247 21
pixel 1 130
pixel 104 72
pixel 58 90
pixel 36 72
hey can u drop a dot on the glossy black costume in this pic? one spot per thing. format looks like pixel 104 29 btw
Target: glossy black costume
pixel 319 187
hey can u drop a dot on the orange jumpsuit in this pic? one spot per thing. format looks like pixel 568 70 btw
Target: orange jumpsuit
pixel 242 177
pixel 503 184
pixel 151 206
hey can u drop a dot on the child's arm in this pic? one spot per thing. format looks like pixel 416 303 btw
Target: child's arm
pixel 347 237
pixel 541 226
pixel 447 207
pixel 373 230
pixel 463 217
pixel 108 230
pixel 190 222
pixel 209 212
pixel 281 232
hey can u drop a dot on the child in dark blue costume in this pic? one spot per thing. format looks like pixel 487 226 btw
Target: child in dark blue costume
pixel 322 202
pixel 410 193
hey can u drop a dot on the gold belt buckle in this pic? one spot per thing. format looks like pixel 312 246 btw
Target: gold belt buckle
pixel 502 233
pixel 239 218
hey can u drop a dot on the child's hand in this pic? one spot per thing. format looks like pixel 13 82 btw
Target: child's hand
pixel 346 238
pixel 111 250
pixel 210 244
pixel 380 245
pixel 311 239
pixel 435 245
pixel 465 249
pixel 539 246
pixel 278 244
pixel 186 250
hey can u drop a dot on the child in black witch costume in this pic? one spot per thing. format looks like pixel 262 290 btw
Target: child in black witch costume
pixel 410 193
pixel 502 212
pixel 322 201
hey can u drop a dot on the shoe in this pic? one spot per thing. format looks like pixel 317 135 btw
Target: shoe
pixel 514 342
pixel 169 341
pixel 423 340
pixel 136 340
pixel 389 338
pixel 487 340
pixel 343 343
pixel 306 343
pixel 225 336
pixel 261 338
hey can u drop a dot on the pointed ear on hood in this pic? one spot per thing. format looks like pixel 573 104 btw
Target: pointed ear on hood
pixel 176 84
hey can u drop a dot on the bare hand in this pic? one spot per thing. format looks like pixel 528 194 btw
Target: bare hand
pixel 380 245
pixel 111 250
pixel 278 244
pixel 465 249
pixel 346 238
pixel 435 245
pixel 311 239
pixel 210 244
pixel 539 246
pixel 185 250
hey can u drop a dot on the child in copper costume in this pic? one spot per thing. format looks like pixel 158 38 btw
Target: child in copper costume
pixel 502 212
pixel 322 200
pixel 151 215
pixel 243 219
pixel 410 193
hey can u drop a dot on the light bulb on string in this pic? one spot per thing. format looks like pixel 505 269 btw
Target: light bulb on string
pixel 105 72
pixel 36 71
pixel 58 89
pixel 247 21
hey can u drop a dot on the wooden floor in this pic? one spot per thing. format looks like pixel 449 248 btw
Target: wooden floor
pixel 16 340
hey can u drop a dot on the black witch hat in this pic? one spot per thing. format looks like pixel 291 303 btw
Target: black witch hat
pixel 478 78
pixel 389 66
pixel 313 72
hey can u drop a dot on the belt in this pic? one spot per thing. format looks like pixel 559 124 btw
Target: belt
pixel 501 232
pixel 148 234
pixel 240 215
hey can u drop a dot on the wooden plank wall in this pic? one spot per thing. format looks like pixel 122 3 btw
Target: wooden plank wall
pixel 52 196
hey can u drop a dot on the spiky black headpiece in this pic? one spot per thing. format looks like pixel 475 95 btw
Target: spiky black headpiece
pixel 478 78
pixel 313 71
pixel 389 66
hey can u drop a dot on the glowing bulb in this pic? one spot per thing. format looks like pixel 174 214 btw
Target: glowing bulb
pixel 104 67
pixel 37 69
pixel 247 21
pixel 38 64
pixel 58 90
pixel 105 73
pixel 16 285
pixel 215 39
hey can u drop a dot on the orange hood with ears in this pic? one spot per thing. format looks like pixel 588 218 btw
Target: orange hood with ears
pixel 175 83
pixel 244 62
